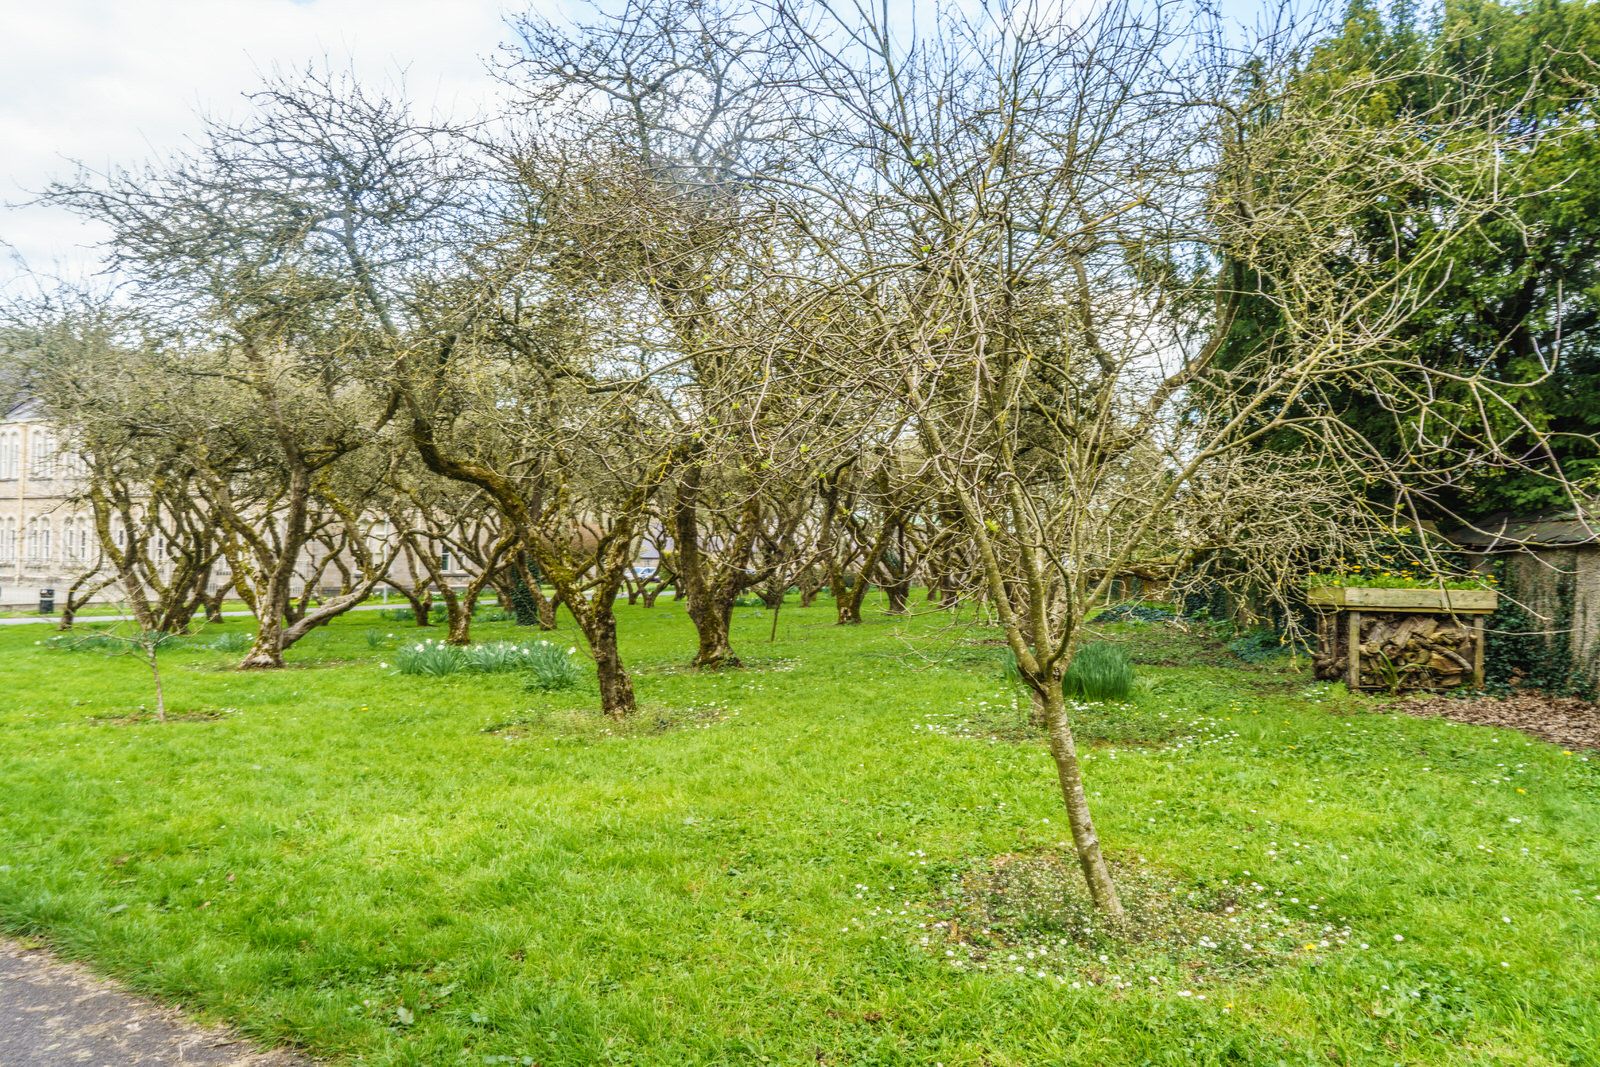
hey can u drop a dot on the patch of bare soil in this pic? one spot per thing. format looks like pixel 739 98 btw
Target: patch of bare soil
pixel 1565 721
pixel 145 716
pixel 1030 913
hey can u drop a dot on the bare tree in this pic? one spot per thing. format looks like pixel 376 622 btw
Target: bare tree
pixel 439 521
pixel 95 371
pixel 1042 222
pixel 685 100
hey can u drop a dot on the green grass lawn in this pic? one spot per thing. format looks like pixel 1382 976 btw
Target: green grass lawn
pixel 766 867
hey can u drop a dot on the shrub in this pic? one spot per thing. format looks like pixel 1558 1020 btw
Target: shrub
pixel 499 615
pixel 1142 612
pixel 552 667
pixel 398 614
pixel 430 657
pixel 1258 645
pixel 524 609
pixel 1100 671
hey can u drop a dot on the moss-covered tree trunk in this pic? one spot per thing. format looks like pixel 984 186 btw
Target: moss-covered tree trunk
pixel 616 684
pixel 711 585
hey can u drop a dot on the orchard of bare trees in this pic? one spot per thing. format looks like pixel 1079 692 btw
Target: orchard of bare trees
pixel 995 312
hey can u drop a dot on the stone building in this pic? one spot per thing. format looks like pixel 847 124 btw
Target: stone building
pixel 45 539
pixel 1550 563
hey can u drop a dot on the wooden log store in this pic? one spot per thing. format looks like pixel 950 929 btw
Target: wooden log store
pixel 1406 638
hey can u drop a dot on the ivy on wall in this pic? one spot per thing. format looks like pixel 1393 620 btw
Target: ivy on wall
pixel 1535 653
pixel 523 605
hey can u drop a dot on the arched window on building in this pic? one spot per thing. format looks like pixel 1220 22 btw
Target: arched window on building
pixel 73 466
pixel 42 454
pixel 8 539
pixel 75 539
pixel 377 537
pixel 10 453
pixel 38 540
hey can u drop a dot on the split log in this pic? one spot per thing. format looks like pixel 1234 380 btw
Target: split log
pixel 1405 650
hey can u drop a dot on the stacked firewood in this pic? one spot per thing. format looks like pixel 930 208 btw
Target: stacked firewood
pixel 1398 650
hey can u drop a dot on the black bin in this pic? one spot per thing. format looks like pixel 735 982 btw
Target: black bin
pixel 47 601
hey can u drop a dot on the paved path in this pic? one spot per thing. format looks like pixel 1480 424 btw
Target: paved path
pixel 55 620
pixel 54 1014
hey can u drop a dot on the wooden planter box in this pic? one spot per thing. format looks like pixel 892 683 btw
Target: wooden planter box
pixel 1351 603
pixel 1432 601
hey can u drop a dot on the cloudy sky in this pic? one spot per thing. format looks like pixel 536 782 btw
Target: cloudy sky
pixel 106 82
pixel 120 81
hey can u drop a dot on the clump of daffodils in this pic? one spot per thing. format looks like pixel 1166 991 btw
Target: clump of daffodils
pixel 546 665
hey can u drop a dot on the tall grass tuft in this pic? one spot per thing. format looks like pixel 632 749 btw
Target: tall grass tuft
pixel 430 657
pixel 1101 671
pixel 100 640
pixel 84 642
pixel 234 642
pixel 552 667
pixel 548 666
pixel 1010 669
pixel 497 657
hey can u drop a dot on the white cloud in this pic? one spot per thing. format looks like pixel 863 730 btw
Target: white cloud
pixel 111 82
pixel 122 81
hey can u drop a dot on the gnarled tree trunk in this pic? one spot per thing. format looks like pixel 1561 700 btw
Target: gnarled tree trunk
pixel 711 586
pixel 616 684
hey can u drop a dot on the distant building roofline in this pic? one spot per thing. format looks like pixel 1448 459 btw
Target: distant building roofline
pixel 1508 531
